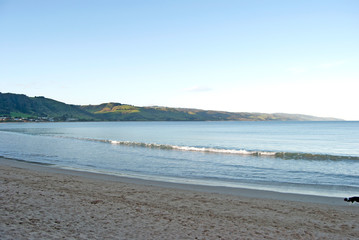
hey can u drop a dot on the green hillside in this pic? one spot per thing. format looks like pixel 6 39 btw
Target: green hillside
pixel 21 106
pixel 124 112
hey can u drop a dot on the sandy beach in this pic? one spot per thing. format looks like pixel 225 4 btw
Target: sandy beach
pixel 43 202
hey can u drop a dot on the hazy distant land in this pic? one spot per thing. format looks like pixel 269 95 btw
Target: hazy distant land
pixel 19 107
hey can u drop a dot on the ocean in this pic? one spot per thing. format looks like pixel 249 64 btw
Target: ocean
pixel 317 158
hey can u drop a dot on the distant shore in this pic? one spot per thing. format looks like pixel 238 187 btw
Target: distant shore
pixel 19 108
pixel 39 201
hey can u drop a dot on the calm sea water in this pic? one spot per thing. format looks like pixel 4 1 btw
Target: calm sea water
pixel 320 158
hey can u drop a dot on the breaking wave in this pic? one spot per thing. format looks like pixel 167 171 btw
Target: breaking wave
pixel 282 155
pixel 193 149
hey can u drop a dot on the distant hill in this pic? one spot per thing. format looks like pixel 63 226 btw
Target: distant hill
pixel 21 106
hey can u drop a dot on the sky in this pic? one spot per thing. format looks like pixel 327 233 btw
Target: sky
pixel 240 56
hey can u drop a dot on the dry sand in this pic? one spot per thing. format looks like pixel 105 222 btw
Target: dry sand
pixel 39 202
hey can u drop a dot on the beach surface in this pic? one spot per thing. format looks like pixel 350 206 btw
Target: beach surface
pixel 43 202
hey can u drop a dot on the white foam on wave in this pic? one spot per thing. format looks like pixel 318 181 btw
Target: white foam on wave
pixel 225 151
pixel 283 155
pixel 194 149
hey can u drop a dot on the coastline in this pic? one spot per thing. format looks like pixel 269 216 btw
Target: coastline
pixel 42 202
pixel 235 191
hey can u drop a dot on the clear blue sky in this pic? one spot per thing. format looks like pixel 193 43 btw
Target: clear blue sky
pixel 242 55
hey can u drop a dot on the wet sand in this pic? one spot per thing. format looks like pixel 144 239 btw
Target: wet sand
pixel 43 202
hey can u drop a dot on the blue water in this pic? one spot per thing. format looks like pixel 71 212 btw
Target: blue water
pixel 320 158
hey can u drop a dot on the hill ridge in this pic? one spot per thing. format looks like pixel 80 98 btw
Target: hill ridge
pixel 19 106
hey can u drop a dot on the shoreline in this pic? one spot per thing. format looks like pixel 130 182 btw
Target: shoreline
pixel 235 191
pixel 44 202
